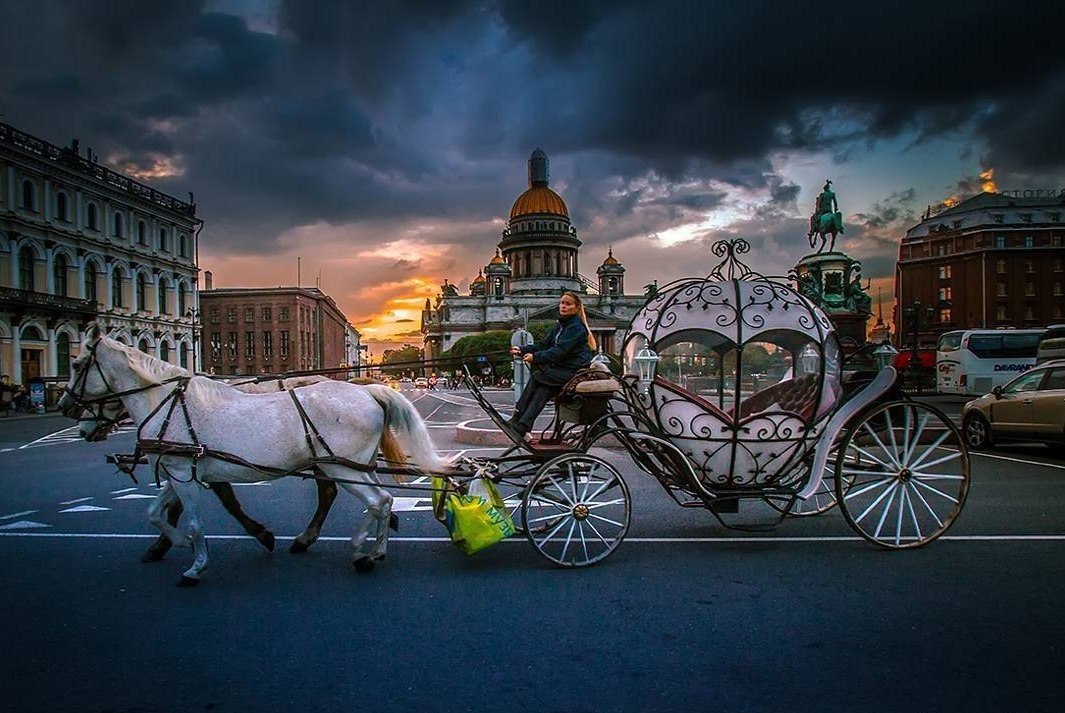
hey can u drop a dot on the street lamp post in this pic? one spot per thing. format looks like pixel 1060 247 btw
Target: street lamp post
pixel 194 314
pixel 913 313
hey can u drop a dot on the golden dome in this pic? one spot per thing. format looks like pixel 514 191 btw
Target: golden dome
pixel 498 259
pixel 610 259
pixel 478 279
pixel 539 199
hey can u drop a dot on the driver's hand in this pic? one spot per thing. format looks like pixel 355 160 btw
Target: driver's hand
pixel 515 351
pixel 528 358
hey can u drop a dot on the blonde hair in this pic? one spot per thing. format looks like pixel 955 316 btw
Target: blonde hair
pixel 584 318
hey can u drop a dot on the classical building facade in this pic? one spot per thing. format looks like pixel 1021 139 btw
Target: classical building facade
pixel 536 260
pixel 80 242
pixel 992 261
pixel 273 330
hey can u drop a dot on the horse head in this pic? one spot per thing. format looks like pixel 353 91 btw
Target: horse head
pixel 85 396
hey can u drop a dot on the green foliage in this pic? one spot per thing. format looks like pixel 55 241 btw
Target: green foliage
pixel 469 348
pixel 405 359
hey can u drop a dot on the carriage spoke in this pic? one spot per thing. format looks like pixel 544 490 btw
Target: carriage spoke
pixel 569 539
pixel 913 513
pixel 891 432
pixel 944 459
pixel 928 451
pixel 931 511
pixel 887 509
pixel 880 443
pixel 869 473
pixel 926 486
pixel 870 456
pixel 549 518
pixel 855 492
pixel 551 534
pixel 607 483
pixel 593 506
pixel 572 482
pixel 604 519
pixel 558 487
pixel 852 495
pixel 940 476
pixel 902 507
pixel 584 542
pixel 916 438
pixel 597 533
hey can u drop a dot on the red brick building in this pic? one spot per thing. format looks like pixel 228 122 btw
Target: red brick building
pixel 992 261
pixel 270 330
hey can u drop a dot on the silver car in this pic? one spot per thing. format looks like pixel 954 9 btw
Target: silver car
pixel 1029 408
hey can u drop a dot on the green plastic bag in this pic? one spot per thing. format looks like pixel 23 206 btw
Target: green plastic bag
pixel 474 521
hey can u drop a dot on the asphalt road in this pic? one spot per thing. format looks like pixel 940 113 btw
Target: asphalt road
pixel 685 616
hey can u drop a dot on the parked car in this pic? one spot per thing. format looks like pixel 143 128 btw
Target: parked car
pixel 421 383
pixel 1031 407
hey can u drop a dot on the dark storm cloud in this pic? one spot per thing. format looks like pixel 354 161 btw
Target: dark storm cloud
pixel 889 211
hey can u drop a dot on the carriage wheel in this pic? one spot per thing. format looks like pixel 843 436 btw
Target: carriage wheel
pixel 513 494
pixel 822 500
pixel 576 510
pixel 902 474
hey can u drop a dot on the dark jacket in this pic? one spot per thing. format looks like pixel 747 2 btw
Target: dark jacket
pixel 562 353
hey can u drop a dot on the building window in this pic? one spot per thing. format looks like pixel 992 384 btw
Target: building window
pixel 25 269
pixel 944 315
pixel 1000 267
pixel 183 245
pixel 282 314
pixel 142 233
pixel 1055 241
pixel 231 314
pixel 216 346
pixel 267 314
pixel 164 351
pixel 1029 289
pixel 944 272
pixel 140 293
pixel 119 231
pixel 116 288
pixel 945 294
pixel 28 195
pixel 1029 313
pixel 268 345
pixel 62 209
pixel 90 282
pixel 1029 241
pixel 284 343
pixel 1057 289
pixel 997 217
pixel 1000 313
pixel 90 217
pixel 183 358
pixel 942 248
pixel 62 355
pixel 1029 266
pixel 249 345
pixel 215 317
pixel 164 240
pixel 142 345
pixel 180 302
pixel 249 314
pixel 1057 264
pixel 1026 217
pixel 231 346
pixel 1001 289
pixel 1000 241
pixel 59 274
pixel 162 297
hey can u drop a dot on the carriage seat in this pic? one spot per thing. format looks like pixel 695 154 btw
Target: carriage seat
pixel 584 397
pixel 798 396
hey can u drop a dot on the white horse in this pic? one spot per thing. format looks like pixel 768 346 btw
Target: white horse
pixel 247 437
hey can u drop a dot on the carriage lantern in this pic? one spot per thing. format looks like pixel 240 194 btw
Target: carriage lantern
pixel 646 362
pixel 808 359
pixel 885 356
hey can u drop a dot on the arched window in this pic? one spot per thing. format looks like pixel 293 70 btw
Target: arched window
pixel 25 269
pixel 183 246
pixel 90 282
pixel 162 297
pixel 30 333
pixel 28 195
pixel 116 288
pixel 119 229
pixel 61 207
pixel 184 357
pixel 164 351
pixel 143 346
pixel 164 243
pixel 62 355
pixel 142 233
pixel 180 302
pixel 90 217
pixel 141 305
pixel 59 270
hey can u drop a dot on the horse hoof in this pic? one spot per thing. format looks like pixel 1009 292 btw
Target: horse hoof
pixel 393 521
pixel 298 547
pixel 364 565
pixel 153 555
pixel 266 539
pixel 188 581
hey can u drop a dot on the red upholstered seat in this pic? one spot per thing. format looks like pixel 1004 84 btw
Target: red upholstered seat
pixel 678 390
pixel 798 396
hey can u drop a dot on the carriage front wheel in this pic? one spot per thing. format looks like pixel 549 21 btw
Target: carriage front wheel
pixel 576 510
pixel 902 474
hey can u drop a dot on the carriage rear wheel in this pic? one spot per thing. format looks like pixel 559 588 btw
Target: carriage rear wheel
pixel 576 510
pixel 902 474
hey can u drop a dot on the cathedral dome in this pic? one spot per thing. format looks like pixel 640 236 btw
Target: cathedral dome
pixel 539 199
pixel 498 259
pixel 610 259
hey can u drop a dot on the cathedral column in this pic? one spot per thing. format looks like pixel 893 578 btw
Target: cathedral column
pixel 49 271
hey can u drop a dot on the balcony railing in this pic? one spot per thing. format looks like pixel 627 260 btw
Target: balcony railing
pixel 26 299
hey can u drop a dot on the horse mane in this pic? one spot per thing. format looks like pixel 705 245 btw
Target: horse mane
pixel 148 367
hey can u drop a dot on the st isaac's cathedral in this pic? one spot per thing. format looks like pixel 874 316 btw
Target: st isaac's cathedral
pixel 535 261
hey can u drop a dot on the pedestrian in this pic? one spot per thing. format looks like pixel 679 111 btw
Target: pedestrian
pixel 553 361
pixel 7 394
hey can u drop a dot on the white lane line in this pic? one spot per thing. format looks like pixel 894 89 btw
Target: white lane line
pixel 18 514
pixel 434 411
pixel 23 525
pixel 644 540
pixel 85 508
pixel 71 502
pixel 124 490
pixel 50 435
pixel 1016 460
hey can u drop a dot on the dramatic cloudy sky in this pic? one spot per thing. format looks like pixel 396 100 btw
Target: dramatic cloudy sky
pixel 384 142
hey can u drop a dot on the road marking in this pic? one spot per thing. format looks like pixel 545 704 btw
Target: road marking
pixel 643 540
pixel 135 496
pixel 85 508
pixel 1017 460
pixel 124 490
pixel 434 411
pixel 23 525
pixel 71 502
pixel 18 514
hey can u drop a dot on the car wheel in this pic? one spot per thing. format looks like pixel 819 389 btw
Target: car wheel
pixel 977 432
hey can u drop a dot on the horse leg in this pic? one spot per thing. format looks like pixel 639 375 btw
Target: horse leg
pixel 253 527
pixel 166 500
pixel 378 502
pixel 327 493
pixel 190 492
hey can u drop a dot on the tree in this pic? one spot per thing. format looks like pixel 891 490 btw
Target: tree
pixel 467 349
pixel 405 359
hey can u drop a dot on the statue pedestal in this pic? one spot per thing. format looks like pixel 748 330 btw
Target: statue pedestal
pixel 826 279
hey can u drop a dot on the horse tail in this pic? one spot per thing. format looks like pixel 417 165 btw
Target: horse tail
pixel 411 435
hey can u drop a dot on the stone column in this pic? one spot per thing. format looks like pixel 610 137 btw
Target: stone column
pixel 16 353
pixel 53 356
pixel 11 206
pixel 77 210
pixel 46 204
pixel 49 271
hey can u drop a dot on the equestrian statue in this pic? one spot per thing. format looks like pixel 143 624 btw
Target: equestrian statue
pixel 827 220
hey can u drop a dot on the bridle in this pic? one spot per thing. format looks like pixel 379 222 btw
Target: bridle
pixel 96 406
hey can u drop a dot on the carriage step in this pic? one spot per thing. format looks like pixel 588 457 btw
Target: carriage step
pixel 732 505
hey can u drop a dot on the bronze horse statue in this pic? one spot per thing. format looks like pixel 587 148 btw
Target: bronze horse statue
pixel 827 224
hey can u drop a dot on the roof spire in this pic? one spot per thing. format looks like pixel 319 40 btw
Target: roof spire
pixel 539 168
